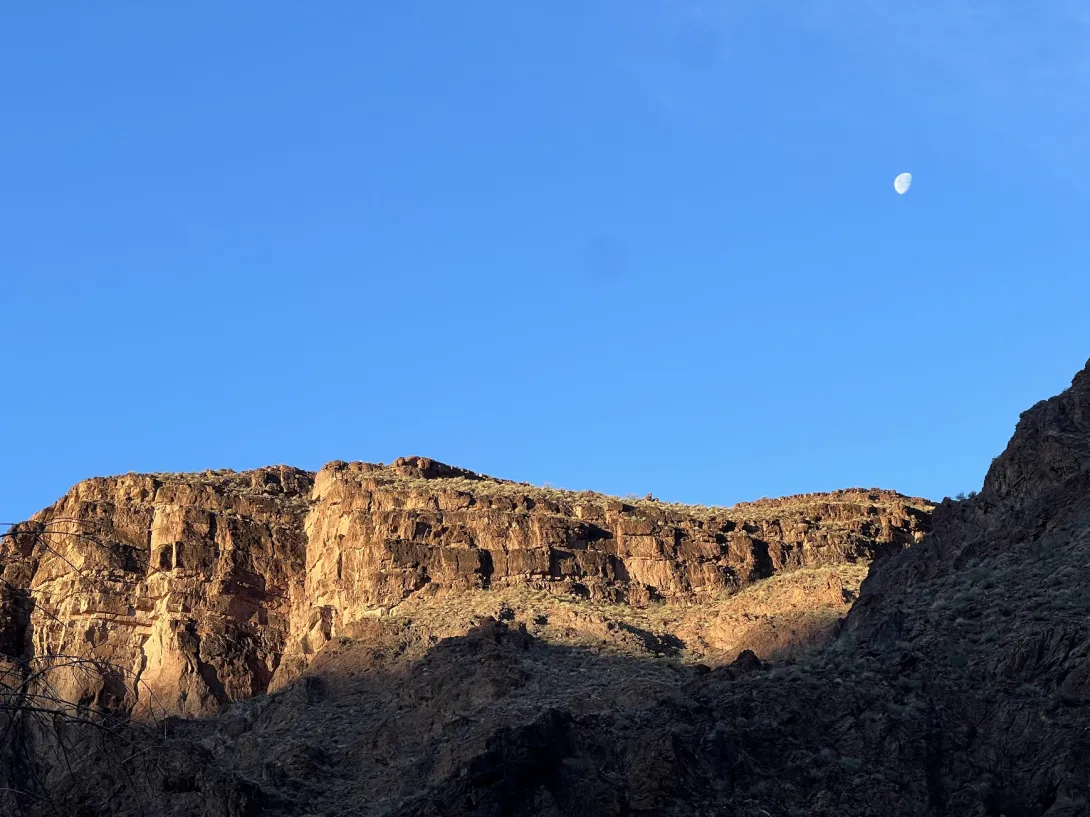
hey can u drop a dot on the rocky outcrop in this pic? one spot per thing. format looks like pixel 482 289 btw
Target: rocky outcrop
pixel 1038 486
pixel 201 589
pixel 959 685
pixel 376 536
pixel 181 585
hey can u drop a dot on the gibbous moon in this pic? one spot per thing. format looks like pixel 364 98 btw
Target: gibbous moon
pixel 902 183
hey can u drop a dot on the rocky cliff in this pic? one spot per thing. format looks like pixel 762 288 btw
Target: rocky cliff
pixel 958 685
pixel 183 586
pixel 201 589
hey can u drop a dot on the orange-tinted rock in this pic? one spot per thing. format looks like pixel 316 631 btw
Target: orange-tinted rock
pixel 205 587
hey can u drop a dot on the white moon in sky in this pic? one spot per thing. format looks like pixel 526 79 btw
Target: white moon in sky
pixel 902 183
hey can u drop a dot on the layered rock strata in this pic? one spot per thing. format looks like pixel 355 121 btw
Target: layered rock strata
pixel 200 589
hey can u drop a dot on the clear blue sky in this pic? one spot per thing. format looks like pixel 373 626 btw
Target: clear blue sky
pixel 626 246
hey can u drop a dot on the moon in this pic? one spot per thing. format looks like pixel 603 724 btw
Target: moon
pixel 902 183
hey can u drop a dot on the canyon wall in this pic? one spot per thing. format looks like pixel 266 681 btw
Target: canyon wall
pixel 189 591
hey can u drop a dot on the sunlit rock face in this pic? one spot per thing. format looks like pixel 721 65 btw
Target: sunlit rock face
pixel 180 585
pixel 195 590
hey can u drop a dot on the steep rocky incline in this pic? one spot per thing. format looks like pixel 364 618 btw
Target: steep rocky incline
pixel 182 584
pixel 960 684
pixel 202 589
pixel 1036 490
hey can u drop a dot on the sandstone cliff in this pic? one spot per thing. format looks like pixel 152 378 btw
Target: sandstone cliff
pixel 183 584
pixel 427 679
pixel 960 684
pixel 201 589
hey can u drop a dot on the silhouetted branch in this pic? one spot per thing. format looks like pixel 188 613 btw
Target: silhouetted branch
pixel 42 731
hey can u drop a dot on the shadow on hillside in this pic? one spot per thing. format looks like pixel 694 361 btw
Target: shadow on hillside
pixel 497 722
pixel 493 713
